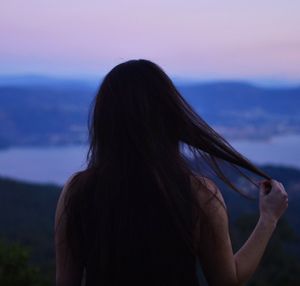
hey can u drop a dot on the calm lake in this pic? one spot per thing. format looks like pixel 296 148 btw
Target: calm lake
pixel 56 164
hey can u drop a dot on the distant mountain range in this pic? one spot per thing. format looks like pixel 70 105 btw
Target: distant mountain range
pixel 51 111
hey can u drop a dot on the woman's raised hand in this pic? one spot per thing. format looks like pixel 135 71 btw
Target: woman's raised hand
pixel 273 200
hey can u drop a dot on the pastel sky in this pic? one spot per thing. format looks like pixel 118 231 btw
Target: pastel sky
pixel 205 39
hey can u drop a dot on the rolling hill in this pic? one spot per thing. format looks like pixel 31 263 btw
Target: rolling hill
pixel 55 112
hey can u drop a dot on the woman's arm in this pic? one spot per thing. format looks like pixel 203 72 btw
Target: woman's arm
pixel 272 205
pixel 250 254
pixel 68 271
pixel 220 265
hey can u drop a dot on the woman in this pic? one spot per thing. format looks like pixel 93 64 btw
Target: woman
pixel 138 214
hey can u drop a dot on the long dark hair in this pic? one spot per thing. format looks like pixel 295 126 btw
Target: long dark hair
pixel 131 214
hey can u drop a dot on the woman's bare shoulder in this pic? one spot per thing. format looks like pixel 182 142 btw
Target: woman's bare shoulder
pixel 66 187
pixel 73 178
pixel 62 199
pixel 207 192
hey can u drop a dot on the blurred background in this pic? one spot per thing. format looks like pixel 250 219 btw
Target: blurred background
pixel 236 62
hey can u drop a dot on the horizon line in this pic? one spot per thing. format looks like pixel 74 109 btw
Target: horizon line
pixel 189 80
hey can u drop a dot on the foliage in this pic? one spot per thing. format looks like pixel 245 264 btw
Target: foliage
pixel 15 269
pixel 27 217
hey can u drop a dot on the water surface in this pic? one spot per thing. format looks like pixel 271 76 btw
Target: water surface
pixel 56 164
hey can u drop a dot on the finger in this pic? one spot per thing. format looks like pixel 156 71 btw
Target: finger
pixel 261 182
pixel 276 186
pixel 279 185
pixel 283 188
pixel 285 195
pixel 274 183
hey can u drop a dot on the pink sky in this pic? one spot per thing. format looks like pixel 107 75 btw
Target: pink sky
pixel 207 39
